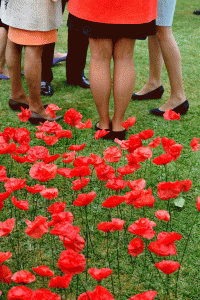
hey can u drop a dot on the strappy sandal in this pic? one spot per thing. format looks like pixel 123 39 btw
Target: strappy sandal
pixel 16 105
pixel 36 118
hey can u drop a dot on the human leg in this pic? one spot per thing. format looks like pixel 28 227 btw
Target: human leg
pixel 123 79
pixel 155 66
pixel 172 59
pixel 13 59
pixel 100 77
pixel 3 39
pixel 32 72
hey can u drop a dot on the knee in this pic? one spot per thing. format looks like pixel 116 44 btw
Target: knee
pixel 163 32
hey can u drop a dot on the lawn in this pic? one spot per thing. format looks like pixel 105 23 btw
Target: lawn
pixel 136 274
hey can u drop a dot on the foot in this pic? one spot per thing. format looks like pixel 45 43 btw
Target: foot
pixel 20 98
pixel 5 73
pixel 149 87
pixel 172 103
pixel 116 125
pixel 58 54
pixel 103 125
pixel 40 111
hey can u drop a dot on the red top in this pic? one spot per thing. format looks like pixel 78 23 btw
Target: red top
pixel 114 11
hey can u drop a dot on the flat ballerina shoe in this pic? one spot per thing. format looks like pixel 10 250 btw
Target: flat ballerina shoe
pixel 180 109
pixel 4 77
pixel 112 135
pixel 16 105
pixel 98 128
pixel 36 118
pixel 155 94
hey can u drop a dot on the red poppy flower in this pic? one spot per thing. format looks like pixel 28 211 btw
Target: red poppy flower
pixel 167 266
pixel 23 277
pixel 65 229
pixel 134 142
pixel 77 147
pixel 132 196
pixel 4 256
pixel 85 296
pixel 50 127
pixel 116 184
pixel 70 157
pixel 5 274
pixel 165 244
pixel 43 172
pixel 126 170
pixel 136 247
pixel 146 199
pixel 21 136
pixel 195 144
pixel 100 133
pixel 20 204
pixel 64 134
pixel 143 228
pixel 6 227
pixel 44 294
pixel 56 207
pixel 82 161
pixel 72 117
pixel 14 184
pixel 87 124
pixel 50 140
pixel 81 171
pixel 105 172
pixel 37 228
pixel 99 274
pixel 3 176
pixel 66 172
pixel 84 199
pixel 9 133
pixel 155 143
pixel 51 158
pixel 71 262
pixel 112 154
pixel 168 190
pixel 136 184
pixel 96 160
pixel 79 184
pixel 175 151
pixel 18 158
pixel 38 152
pixel 61 217
pixel 171 115
pixel 24 115
pixel 39 135
pixel 23 148
pixel 128 123
pixel 113 201
pixel 146 134
pixel 150 295
pixel 77 244
pixel 162 215
pixel 185 185
pixel 143 153
pixel 20 293
pixel 133 161
pixel 43 271
pixel 50 193
pixel 35 189
pixel 51 108
pixel 198 203
pixel 124 145
pixel 117 224
pixel 166 143
pixel 60 282
pixel 1 205
pixel 8 148
pixel 105 226
pixel 163 159
pixel 100 293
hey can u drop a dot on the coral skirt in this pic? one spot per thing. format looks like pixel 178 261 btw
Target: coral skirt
pixel 32 38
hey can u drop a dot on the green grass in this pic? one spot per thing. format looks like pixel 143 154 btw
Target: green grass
pixel 27 253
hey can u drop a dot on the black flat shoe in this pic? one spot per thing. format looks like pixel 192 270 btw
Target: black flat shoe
pixel 36 119
pixel 112 135
pixel 16 105
pixel 196 12
pixel 155 94
pixel 46 89
pixel 82 82
pixel 98 128
pixel 180 109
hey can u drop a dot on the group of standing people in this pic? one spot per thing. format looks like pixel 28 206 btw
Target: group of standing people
pixel 111 27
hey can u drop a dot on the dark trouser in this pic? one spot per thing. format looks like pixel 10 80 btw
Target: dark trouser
pixel 47 60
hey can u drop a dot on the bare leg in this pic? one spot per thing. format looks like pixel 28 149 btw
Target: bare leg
pixel 172 59
pixel 32 72
pixel 13 58
pixel 123 79
pixel 100 77
pixel 3 39
pixel 155 66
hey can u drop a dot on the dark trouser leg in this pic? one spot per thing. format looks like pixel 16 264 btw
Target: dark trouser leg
pixel 47 60
pixel 77 53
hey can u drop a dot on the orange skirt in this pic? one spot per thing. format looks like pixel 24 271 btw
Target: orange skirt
pixel 32 38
